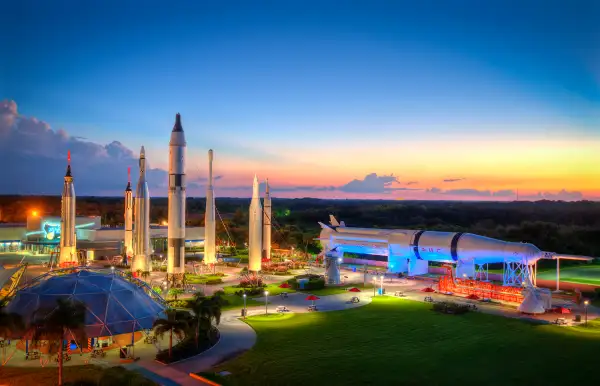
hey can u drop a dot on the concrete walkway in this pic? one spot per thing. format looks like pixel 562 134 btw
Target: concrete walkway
pixel 236 338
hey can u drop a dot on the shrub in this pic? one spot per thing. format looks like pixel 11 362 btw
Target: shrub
pixel 187 347
pixel 250 291
pixel 451 308
pixel 178 303
pixel 214 281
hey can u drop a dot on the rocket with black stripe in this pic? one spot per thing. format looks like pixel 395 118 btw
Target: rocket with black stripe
pixel 176 230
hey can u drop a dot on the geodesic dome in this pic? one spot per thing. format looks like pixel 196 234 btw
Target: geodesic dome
pixel 113 305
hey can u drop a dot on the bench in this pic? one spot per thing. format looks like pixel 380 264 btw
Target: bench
pixel 355 299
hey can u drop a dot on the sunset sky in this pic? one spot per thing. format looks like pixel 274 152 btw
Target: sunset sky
pixel 457 99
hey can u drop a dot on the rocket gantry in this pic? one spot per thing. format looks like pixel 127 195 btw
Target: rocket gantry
pixel 68 242
pixel 141 249
pixel 266 234
pixel 210 256
pixel 176 230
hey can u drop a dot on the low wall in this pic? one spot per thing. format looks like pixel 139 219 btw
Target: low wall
pixel 348 260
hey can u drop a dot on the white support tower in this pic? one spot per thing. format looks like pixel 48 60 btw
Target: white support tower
pixel 266 242
pixel 210 247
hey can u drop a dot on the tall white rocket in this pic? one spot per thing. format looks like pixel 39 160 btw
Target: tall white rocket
pixel 141 246
pixel 128 237
pixel 255 230
pixel 266 234
pixel 210 255
pixel 68 242
pixel 176 231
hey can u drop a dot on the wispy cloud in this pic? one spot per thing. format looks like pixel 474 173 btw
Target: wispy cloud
pixel 454 179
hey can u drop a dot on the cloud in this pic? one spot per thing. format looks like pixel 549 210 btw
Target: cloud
pixel 454 179
pixel 471 192
pixel 37 157
pixel 504 193
pixel 562 195
pixel 372 183
pixel 434 190
pixel 412 182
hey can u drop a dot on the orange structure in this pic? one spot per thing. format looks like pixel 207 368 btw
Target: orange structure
pixel 485 290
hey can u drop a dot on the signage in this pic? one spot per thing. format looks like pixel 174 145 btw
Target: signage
pixel 51 231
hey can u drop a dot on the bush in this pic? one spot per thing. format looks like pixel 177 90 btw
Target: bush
pixel 451 308
pixel 178 303
pixel 187 348
pixel 250 291
pixel 314 282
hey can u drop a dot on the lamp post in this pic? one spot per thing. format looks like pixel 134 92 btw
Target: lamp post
pixel 381 285
pixel 585 306
pixel 245 310
pixel 374 284
pixel 266 297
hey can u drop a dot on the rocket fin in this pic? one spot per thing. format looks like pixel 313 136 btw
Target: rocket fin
pixel 333 221
pixel 342 224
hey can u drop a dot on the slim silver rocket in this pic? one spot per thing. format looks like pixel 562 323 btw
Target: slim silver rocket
pixel 68 242
pixel 266 242
pixel 255 232
pixel 141 248
pixel 128 237
pixel 210 256
pixel 176 231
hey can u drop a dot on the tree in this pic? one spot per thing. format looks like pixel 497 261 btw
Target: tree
pixel 172 325
pixel 66 320
pixel 145 275
pixel 139 272
pixel 11 324
pixel 205 311
pixel 174 292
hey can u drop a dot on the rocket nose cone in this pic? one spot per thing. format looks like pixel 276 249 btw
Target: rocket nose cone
pixel 142 152
pixel 177 127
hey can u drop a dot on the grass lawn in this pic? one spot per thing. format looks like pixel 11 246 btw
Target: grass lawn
pixel 48 376
pixel 402 342
pixel 339 290
pixel 237 302
pixel 272 288
pixel 583 274
pixel 201 279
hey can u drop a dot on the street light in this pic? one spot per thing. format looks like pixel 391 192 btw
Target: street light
pixel 585 306
pixel 266 297
pixel 381 288
pixel 245 310
pixel 374 284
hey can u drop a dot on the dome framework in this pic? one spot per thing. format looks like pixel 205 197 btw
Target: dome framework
pixel 115 303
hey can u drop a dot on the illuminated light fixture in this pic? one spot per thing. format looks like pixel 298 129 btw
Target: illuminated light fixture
pixel 164 223
pixel 34 213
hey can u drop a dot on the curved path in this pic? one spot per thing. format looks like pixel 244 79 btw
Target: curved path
pixel 237 337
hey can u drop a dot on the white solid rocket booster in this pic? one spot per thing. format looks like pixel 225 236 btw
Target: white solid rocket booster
pixel 255 232
pixel 210 256
pixel 128 237
pixel 141 248
pixel 176 231
pixel 68 242
pixel 266 235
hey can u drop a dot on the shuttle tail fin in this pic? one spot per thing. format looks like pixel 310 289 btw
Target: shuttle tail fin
pixel 333 221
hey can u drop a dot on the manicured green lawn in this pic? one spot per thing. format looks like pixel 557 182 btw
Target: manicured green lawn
pixel 201 279
pixel 583 274
pixel 272 288
pixel 237 302
pixel 339 290
pixel 402 342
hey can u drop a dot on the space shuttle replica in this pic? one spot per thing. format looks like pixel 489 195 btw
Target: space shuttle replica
pixel 255 239
pixel 266 232
pixel 210 246
pixel 141 241
pixel 128 237
pixel 68 241
pixel 410 251
pixel 176 226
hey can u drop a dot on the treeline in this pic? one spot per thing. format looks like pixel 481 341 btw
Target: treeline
pixel 564 227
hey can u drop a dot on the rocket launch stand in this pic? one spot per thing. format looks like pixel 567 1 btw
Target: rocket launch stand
pixel 175 280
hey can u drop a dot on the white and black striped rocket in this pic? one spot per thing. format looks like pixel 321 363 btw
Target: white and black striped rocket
pixel 266 234
pixel 128 237
pixel 176 231
pixel 141 246
pixel 210 253
pixel 68 242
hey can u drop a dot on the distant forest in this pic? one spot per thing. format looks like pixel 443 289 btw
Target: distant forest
pixel 563 227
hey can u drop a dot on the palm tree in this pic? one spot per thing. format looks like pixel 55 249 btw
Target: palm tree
pixel 68 317
pixel 139 272
pixel 174 292
pixel 10 325
pixel 172 325
pixel 205 311
pixel 145 275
